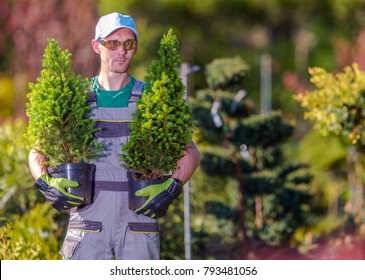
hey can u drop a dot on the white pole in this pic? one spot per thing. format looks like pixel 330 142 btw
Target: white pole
pixel 185 70
pixel 265 83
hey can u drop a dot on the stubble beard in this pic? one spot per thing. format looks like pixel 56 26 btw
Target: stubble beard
pixel 117 68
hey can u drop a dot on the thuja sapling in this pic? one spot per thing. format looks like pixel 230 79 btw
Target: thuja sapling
pixel 162 125
pixel 60 126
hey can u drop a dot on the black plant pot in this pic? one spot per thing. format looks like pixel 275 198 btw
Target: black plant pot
pixel 134 185
pixel 83 173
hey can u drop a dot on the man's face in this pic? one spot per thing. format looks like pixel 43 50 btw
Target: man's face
pixel 115 61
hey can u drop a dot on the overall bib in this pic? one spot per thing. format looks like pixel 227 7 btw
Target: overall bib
pixel 107 229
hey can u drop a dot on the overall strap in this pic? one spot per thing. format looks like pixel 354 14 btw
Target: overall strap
pixel 136 92
pixel 91 97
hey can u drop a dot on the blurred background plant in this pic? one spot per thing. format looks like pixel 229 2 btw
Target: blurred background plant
pixel 16 184
pixel 29 227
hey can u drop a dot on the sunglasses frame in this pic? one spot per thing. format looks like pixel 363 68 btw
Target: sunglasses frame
pixel 114 45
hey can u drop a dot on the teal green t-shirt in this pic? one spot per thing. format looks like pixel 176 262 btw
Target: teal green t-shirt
pixel 113 98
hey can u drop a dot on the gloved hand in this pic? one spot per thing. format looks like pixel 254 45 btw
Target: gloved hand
pixel 54 190
pixel 160 196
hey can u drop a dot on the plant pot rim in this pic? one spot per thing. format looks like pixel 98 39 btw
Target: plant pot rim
pixel 71 166
pixel 131 172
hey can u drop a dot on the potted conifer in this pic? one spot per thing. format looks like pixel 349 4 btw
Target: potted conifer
pixel 162 124
pixel 59 120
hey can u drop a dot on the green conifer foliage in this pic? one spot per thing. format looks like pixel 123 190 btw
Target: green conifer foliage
pixel 59 124
pixel 162 124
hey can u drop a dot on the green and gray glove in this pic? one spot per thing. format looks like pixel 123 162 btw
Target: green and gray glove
pixel 54 190
pixel 160 196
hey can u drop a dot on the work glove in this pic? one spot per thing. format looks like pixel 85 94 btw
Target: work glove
pixel 54 190
pixel 160 196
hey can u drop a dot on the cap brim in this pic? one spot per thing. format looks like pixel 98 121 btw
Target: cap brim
pixel 102 36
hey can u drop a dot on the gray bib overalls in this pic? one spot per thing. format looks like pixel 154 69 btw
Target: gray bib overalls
pixel 106 228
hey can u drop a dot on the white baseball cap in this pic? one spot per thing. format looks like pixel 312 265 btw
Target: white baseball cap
pixel 111 22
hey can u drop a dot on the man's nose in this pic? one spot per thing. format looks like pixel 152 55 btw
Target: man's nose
pixel 121 49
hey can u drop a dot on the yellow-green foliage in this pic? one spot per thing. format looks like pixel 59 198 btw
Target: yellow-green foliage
pixel 17 192
pixel 27 228
pixel 6 96
pixel 32 237
pixel 338 104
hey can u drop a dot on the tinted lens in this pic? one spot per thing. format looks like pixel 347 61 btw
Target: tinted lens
pixel 129 44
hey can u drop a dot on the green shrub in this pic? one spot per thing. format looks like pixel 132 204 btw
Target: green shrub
pixel 337 104
pixel 162 125
pixel 17 192
pixel 59 120
pixel 32 237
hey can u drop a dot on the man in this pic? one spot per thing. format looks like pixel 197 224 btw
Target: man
pixel 107 228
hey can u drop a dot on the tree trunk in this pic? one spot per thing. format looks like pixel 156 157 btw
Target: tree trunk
pixel 242 207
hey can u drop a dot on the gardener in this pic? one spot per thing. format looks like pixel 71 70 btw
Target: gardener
pixel 106 228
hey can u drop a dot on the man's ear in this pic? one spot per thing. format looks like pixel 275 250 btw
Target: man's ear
pixel 96 46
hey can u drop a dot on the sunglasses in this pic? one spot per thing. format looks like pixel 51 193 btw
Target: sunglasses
pixel 114 45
